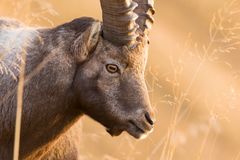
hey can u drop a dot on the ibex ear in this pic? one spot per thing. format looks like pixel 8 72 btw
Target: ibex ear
pixel 86 42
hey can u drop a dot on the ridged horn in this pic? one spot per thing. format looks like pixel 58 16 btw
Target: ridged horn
pixel 145 12
pixel 119 21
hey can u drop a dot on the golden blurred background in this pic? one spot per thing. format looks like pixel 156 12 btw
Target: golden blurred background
pixel 193 77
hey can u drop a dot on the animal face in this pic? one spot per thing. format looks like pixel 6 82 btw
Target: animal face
pixel 110 88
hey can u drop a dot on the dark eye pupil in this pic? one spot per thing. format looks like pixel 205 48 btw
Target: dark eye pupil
pixel 112 68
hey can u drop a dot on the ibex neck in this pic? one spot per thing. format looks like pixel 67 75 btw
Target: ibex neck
pixel 49 108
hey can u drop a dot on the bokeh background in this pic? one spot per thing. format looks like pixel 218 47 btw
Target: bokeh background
pixel 193 76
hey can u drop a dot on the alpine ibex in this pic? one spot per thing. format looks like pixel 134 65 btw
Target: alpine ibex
pixel 81 67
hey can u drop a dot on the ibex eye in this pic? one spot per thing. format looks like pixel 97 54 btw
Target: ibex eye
pixel 112 68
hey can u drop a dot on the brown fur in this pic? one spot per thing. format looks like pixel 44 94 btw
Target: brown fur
pixel 66 77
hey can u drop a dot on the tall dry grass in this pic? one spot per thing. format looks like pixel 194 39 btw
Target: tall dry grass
pixel 187 84
pixel 223 39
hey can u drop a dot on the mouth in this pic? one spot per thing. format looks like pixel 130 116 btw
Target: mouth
pixel 136 129
pixel 139 130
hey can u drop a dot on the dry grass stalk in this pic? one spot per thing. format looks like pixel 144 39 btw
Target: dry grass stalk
pixel 20 92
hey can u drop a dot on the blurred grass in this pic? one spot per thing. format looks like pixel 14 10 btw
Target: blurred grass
pixel 192 75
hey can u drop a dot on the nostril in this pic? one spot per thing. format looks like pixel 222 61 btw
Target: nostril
pixel 148 118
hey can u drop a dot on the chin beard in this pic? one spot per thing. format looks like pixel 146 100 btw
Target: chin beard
pixel 114 131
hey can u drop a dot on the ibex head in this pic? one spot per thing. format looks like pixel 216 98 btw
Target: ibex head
pixel 109 83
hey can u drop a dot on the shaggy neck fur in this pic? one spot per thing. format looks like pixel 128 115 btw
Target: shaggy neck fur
pixel 49 105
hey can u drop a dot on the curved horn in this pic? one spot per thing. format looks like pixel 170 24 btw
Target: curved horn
pixel 119 21
pixel 145 12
